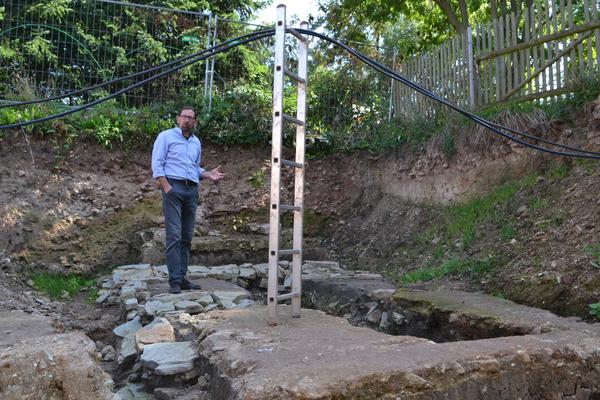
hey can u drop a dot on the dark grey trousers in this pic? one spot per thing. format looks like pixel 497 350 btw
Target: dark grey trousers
pixel 179 206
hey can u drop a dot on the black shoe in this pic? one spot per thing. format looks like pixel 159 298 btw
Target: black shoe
pixel 187 285
pixel 175 288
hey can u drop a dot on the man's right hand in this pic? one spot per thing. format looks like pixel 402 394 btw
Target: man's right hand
pixel 164 183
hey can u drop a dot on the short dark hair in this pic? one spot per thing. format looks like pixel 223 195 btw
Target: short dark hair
pixel 182 109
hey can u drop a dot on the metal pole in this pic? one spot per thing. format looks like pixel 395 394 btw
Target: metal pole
pixel 212 67
pixel 391 110
pixel 471 67
pixel 276 164
pixel 206 65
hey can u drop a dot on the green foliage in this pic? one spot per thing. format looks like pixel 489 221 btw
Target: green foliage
pixel 56 286
pixel 257 179
pixel 469 268
pixel 92 295
pixel 52 9
pixel 529 180
pixel 559 172
pixel 40 48
pixel 66 45
pixel 106 125
pixel 240 115
pixel 448 145
pixel 593 250
pixel 540 204
pixel 595 310
pixel 508 231
pixel 464 219
pixel 588 165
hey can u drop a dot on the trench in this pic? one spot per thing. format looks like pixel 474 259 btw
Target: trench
pixel 356 302
pixel 364 300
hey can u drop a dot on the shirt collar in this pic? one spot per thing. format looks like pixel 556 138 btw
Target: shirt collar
pixel 178 130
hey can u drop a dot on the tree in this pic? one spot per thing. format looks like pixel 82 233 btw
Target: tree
pixel 62 45
pixel 434 20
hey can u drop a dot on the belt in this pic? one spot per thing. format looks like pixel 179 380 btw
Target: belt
pixel 185 182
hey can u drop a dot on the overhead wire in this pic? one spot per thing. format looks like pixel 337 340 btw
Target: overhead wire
pixel 490 125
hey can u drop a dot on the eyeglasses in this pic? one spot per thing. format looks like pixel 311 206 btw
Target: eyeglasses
pixel 188 117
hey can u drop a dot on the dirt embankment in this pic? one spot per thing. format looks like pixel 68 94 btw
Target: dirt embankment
pixel 79 210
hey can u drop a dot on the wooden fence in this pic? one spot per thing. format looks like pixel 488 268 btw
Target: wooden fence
pixel 539 58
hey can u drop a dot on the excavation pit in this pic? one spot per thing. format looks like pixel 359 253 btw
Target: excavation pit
pixel 440 316
pixel 323 357
pixel 486 348
pixel 362 339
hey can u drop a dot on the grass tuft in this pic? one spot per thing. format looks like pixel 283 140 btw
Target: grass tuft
pixel 464 219
pixel 451 267
pixel 56 286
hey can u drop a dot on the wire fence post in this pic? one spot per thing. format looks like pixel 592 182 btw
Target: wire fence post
pixel 212 64
pixel 391 108
pixel 471 68
pixel 207 63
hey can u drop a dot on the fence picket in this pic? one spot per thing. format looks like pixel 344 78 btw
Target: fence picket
pixel 516 63
pixel 526 57
pixel 589 42
pixel 564 43
pixel 596 32
pixel 492 65
pixel 573 53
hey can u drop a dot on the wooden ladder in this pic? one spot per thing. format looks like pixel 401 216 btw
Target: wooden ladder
pixel 277 163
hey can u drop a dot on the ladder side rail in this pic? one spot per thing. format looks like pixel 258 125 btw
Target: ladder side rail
pixel 274 228
pixel 299 174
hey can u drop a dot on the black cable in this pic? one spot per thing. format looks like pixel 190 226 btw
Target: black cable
pixel 374 64
pixel 212 51
pixel 492 126
pixel 155 68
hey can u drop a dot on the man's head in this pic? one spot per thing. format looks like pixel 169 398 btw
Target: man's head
pixel 186 119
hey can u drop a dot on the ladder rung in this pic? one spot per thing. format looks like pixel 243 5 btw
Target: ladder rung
pixel 292 164
pixel 287 296
pixel 285 207
pixel 294 76
pixel 288 252
pixel 293 119
pixel 298 35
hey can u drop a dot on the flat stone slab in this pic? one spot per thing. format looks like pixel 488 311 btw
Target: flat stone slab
pixel 208 285
pixel 319 357
pixel 16 326
pixel 477 306
pixel 169 358
pixel 128 328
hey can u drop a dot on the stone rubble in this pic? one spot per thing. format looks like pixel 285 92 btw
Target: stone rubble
pixel 156 343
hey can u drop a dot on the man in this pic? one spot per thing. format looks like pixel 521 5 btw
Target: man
pixel 176 160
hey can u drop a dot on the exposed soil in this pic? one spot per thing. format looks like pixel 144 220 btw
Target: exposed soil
pixel 78 211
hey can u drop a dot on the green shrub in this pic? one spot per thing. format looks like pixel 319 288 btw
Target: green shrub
pixel 595 310
pixel 593 250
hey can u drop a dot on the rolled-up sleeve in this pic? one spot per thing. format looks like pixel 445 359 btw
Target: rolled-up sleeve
pixel 159 152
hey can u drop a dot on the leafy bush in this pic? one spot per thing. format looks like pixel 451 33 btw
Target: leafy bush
pixel 595 310
pixel 241 115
